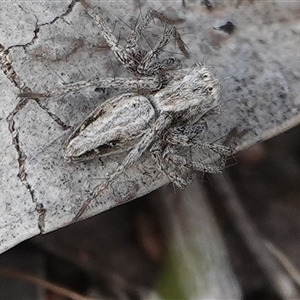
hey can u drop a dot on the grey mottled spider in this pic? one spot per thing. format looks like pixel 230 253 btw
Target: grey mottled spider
pixel 164 111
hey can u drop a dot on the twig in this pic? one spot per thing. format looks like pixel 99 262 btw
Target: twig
pixel 285 262
pixel 7 272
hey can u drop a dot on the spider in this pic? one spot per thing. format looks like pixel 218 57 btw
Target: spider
pixel 164 110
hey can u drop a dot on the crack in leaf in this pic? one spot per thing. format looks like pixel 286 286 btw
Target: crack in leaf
pixel 9 72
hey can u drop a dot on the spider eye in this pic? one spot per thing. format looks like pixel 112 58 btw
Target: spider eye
pixel 209 90
pixel 205 77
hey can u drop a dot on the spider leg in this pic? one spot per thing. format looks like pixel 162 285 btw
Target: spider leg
pixel 172 171
pixel 110 38
pixel 148 85
pixel 127 58
pixel 162 122
pixel 132 56
pixel 214 111
pixel 137 32
pixel 130 159
pixel 143 23
pixel 170 154
pixel 181 45
pixel 192 136
pixel 149 64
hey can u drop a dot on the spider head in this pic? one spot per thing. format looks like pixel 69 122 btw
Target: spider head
pixel 204 81
pixel 197 92
pixel 201 83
